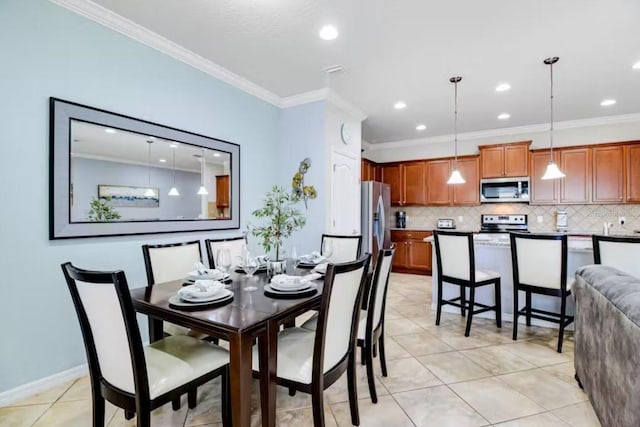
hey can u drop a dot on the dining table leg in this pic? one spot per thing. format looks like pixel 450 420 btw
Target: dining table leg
pixel 268 351
pixel 156 331
pixel 240 372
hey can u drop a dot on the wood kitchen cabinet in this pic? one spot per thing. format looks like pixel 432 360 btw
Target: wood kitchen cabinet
pixel 370 171
pixel 505 160
pixel 222 191
pixel 391 175
pixel 407 183
pixel 469 192
pixel 438 192
pixel 413 254
pixel 607 174
pixel 575 187
pixel 632 175
pixel 542 192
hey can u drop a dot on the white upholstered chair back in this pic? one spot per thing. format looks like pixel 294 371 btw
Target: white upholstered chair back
pixel 340 311
pixel 539 262
pixel 345 248
pixel 106 321
pixel 173 262
pixel 625 256
pixel 381 288
pixel 234 245
pixel 454 256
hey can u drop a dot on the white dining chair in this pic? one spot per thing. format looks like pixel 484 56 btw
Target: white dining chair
pixel 345 248
pixel 135 377
pixel 310 361
pixel 539 264
pixel 618 252
pixel 234 245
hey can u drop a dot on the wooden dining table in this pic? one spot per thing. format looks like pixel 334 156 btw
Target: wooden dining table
pixel 251 315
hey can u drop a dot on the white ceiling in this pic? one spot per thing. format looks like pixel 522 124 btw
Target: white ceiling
pixel 407 50
pixel 91 141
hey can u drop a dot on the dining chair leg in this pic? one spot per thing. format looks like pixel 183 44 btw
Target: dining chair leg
pixel 317 406
pixel 472 300
pixel 515 312
pixel 353 392
pixel 192 398
pixel 375 351
pixel 144 418
pixel 226 401
pixel 463 300
pixel 175 404
pixel 98 409
pixel 563 309
pixel 363 356
pixel 439 308
pixel 498 304
pixel 292 391
pixel 383 360
pixel 370 377
pixel 528 303
pixel 128 415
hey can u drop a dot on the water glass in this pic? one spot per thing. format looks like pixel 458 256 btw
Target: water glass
pixel 250 266
pixel 223 260
pixel 327 248
pixel 293 256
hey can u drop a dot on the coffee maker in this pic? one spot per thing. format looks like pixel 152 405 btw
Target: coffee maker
pixel 401 219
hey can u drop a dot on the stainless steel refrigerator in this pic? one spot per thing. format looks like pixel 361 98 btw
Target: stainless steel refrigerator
pixel 376 217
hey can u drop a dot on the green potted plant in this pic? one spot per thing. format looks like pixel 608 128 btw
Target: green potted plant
pixel 101 211
pixel 282 219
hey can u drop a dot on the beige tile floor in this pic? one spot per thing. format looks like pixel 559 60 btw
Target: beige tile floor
pixel 437 377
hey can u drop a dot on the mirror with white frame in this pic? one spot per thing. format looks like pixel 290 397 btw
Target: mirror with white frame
pixel 116 175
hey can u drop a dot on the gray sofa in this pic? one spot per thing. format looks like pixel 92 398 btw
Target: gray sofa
pixel 607 343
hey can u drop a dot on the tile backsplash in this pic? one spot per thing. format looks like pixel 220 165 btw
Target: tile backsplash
pixel 582 218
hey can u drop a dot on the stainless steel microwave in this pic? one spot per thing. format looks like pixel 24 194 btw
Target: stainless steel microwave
pixel 504 190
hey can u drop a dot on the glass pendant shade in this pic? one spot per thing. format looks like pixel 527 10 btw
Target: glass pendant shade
pixel 202 191
pixel 456 178
pixel 552 172
pixel 174 192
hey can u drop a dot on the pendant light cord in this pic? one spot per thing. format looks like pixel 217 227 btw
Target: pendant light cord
pixel 455 123
pixel 551 113
pixel 149 156
pixel 174 167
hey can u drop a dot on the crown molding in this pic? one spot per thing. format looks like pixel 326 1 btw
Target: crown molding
pixel 324 94
pixel 345 105
pixel 492 133
pixel 122 25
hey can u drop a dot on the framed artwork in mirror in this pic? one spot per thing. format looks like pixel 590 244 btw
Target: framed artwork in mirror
pixel 113 175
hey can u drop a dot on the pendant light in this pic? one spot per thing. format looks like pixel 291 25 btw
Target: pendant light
pixel 552 171
pixel 174 191
pixel 149 191
pixel 456 177
pixel 202 191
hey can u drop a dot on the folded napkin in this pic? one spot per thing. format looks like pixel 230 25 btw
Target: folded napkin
pixel 209 274
pixel 321 268
pixel 201 289
pixel 314 258
pixel 288 281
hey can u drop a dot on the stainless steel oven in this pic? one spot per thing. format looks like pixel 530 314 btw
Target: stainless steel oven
pixel 504 190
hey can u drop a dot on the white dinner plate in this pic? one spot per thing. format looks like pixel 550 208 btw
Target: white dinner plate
pixel 224 293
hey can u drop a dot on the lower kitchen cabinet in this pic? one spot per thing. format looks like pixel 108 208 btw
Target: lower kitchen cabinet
pixel 413 254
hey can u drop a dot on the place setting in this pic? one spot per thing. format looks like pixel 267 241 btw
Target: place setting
pixel 201 294
pixel 202 273
pixel 286 286
pixel 315 258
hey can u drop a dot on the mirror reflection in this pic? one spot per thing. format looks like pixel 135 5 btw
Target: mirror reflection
pixel 124 176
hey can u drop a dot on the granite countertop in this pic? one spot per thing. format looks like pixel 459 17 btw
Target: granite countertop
pixel 575 244
pixel 412 229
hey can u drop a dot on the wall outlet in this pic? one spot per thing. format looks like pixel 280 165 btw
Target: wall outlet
pixel 540 219
pixel 460 218
pixel 621 220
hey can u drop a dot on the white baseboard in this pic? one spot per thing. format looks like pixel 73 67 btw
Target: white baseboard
pixel 37 386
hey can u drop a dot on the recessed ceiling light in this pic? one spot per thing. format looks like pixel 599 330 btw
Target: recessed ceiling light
pixel 216 154
pixel 400 105
pixel 328 32
pixel 503 87
pixel 421 127
pixel 109 130
pixel 162 160
pixel 608 102
pixel 636 66
pixel 504 116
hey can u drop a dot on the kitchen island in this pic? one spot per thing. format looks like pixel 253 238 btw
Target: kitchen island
pixel 493 252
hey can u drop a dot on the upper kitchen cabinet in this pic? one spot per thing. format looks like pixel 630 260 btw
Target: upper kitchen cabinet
pixel 469 192
pixel 632 163
pixel 391 175
pixel 438 192
pixel 505 160
pixel 542 192
pixel 608 174
pixel 575 187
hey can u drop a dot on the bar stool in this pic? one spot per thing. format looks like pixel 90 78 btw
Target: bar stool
pixel 456 265
pixel 622 253
pixel 540 267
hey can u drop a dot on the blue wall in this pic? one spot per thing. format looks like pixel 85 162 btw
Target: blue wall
pixel 48 51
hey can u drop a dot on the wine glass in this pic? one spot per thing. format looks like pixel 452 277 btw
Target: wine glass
pixel 327 248
pixel 293 256
pixel 250 265
pixel 223 260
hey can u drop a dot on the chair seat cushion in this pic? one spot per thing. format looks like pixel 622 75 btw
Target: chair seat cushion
pixel 312 323
pixel 179 359
pixel 295 355
pixel 482 275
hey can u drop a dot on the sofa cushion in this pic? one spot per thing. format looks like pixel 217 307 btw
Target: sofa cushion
pixel 620 288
